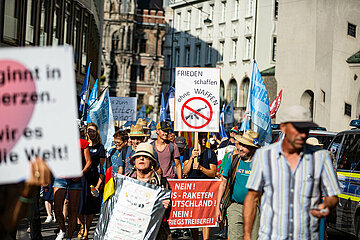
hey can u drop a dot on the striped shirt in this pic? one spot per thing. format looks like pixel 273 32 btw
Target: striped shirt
pixel 288 196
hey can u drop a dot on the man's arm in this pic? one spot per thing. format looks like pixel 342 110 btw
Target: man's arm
pixel 327 205
pixel 188 162
pixel 249 213
pixel 178 168
pixel 209 172
pixel 221 190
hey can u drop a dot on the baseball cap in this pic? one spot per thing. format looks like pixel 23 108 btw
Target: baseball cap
pixel 163 126
pixel 299 116
pixel 180 142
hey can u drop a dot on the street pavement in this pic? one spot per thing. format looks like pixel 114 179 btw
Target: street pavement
pixel 49 234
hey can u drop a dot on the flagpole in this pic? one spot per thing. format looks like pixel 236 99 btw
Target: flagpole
pixel 87 90
pixel 99 96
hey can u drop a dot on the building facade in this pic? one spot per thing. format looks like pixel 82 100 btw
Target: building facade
pixel 226 34
pixel 56 22
pixel 318 60
pixel 133 50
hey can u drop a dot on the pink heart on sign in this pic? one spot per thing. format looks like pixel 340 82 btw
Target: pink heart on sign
pixel 17 85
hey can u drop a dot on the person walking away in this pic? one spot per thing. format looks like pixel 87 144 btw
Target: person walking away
pixel 205 168
pixel 291 177
pixel 89 203
pixel 235 175
pixel 167 152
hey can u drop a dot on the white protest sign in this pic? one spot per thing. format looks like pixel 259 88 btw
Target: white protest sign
pixel 197 99
pixel 124 108
pixel 38 112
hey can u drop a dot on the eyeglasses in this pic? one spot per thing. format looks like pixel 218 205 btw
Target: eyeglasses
pixel 118 143
pixel 147 157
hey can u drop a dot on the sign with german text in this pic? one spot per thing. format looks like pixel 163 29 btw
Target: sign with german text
pixel 38 112
pixel 124 108
pixel 193 203
pixel 197 99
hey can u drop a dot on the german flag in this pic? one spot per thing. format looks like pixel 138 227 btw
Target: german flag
pixel 109 188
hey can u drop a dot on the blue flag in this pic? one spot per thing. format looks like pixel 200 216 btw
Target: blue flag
pixel 170 95
pixel 101 114
pixel 259 107
pixel 229 113
pixel 141 113
pixel 245 125
pixel 163 115
pixel 94 93
pixel 84 94
pixel 222 132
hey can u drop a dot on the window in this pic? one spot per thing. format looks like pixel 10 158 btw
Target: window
pixel 11 20
pixel 234 49
pixel 209 53
pixel 67 24
pixel 178 21
pixel 84 45
pixel 197 54
pixel 140 99
pixel 233 91
pixel 56 23
pixel 223 11
pixel 347 109
pixel 177 57
pixel 248 48
pixel 222 92
pixel 352 30
pixel 236 9
pixel 188 23
pixel 335 145
pixel 273 57
pixel 349 159
pixel 30 22
pixel 142 73
pixel 250 8
pixel 77 31
pixel 44 22
pixel 221 51
pixel 187 56
pixel 162 46
pixel 245 91
pixel 276 8
pixel 200 18
pixel 322 96
pixel 115 41
pixel 128 39
pixel 168 61
pixel 143 45
pixel 211 12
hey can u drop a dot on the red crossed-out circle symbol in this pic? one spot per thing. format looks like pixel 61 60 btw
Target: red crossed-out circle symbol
pixel 186 106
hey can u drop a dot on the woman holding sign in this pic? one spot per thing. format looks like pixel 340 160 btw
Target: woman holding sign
pixel 90 201
pixel 145 163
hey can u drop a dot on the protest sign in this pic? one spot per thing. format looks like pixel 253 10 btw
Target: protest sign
pixel 124 108
pixel 172 110
pixel 134 212
pixel 197 99
pixel 36 86
pixel 193 203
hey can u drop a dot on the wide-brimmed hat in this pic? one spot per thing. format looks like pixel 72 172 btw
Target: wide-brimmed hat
pixel 142 122
pixel 144 149
pixel 235 129
pixel 249 138
pixel 314 141
pixel 137 131
pixel 299 116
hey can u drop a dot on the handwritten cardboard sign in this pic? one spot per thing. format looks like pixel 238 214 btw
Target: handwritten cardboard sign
pixel 193 203
pixel 38 112
pixel 124 108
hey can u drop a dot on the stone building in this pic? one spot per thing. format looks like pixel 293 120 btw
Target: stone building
pixel 132 58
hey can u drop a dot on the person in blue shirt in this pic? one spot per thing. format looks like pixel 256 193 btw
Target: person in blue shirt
pixel 246 146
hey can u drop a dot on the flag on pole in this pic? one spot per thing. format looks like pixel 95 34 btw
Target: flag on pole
pixel 141 113
pixel 163 115
pixel 109 188
pixel 170 104
pixel 101 114
pixel 259 107
pixel 94 93
pixel 275 105
pixel 84 94
pixel 222 132
pixel 229 113
pixel 245 124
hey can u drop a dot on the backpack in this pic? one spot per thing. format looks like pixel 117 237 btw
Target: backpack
pixel 171 149
pixel 226 198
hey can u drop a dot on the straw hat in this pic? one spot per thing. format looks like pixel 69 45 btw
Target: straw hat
pixel 249 138
pixel 142 122
pixel 137 131
pixel 314 141
pixel 144 149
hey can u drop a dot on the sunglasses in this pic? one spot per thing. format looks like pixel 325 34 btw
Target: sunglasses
pixel 118 143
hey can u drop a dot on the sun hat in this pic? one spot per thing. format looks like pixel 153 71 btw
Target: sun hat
pixel 299 116
pixel 314 141
pixel 144 149
pixel 249 138
pixel 165 126
pixel 137 131
pixel 235 129
pixel 142 122
pixel 180 142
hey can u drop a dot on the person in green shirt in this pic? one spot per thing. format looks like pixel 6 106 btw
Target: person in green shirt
pixel 246 146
